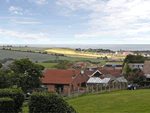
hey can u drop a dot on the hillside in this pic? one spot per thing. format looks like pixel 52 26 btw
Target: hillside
pixel 19 55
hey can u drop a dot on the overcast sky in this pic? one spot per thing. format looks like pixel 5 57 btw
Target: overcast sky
pixel 74 21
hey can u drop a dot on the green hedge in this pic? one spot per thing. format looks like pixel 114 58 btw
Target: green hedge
pixel 16 94
pixel 6 105
pixel 48 102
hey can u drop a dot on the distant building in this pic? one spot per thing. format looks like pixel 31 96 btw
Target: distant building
pixel 127 53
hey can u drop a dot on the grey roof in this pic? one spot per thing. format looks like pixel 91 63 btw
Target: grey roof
pixel 5 66
pixel 94 80
pixel 121 79
pixel 105 80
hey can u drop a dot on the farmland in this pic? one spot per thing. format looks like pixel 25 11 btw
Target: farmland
pixel 28 48
pixel 47 65
pixel 73 53
pixel 19 55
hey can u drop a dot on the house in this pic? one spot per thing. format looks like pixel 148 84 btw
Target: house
pixel 146 70
pixel 92 68
pixel 127 53
pixel 6 64
pixel 60 80
pixel 136 65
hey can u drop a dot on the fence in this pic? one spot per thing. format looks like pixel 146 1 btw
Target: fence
pixel 94 89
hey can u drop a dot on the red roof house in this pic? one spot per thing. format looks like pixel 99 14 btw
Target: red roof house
pixel 56 79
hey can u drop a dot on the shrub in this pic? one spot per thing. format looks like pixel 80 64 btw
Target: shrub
pixel 16 94
pixel 48 102
pixel 6 105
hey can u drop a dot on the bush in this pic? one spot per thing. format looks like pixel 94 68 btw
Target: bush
pixel 6 105
pixel 48 102
pixel 16 94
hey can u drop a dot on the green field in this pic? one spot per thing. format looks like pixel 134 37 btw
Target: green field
pixel 19 55
pixel 122 101
pixel 47 65
pixel 29 48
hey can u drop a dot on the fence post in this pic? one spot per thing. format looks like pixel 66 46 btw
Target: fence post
pixel 96 88
pixel 101 88
pixel 87 89
pixel 109 87
pixel 92 88
pixel 105 87
pixel 120 85
pixel 68 92
pixel 78 90
pixel 113 86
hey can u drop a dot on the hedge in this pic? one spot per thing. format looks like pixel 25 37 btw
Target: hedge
pixel 16 94
pixel 48 102
pixel 6 105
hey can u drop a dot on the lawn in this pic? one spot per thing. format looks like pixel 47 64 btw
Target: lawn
pixel 47 65
pixel 122 101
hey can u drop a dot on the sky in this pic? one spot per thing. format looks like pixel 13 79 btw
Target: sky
pixel 74 22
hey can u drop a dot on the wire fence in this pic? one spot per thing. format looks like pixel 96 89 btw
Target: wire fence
pixel 94 89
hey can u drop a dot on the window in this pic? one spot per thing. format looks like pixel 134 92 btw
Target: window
pixel 72 87
pixel 78 84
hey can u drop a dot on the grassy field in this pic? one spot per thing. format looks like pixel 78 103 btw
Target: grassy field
pixel 19 55
pixel 122 101
pixel 28 48
pixel 72 53
pixel 47 65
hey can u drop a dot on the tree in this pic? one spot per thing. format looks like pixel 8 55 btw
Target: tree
pixel 1 65
pixel 136 77
pixel 57 58
pixel 127 70
pixel 27 74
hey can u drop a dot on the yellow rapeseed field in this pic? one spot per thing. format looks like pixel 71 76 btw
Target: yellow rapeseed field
pixel 72 53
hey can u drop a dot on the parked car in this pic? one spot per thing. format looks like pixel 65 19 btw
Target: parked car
pixel 130 87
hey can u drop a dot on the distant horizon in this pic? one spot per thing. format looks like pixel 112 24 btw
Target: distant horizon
pixel 113 47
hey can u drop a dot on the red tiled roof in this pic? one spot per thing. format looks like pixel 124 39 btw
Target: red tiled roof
pixel 89 72
pixel 99 68
pixel 146 67
pixel 104 71
pixel 58 76
pixel 116 75
pixel 115 71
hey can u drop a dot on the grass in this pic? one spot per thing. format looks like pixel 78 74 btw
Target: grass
pixel 123 101
pixel 47 65
pixel 72 53
pixel 28 48
pixel 19 55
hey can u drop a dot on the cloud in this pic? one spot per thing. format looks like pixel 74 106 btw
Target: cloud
pixel 20 11
pixel 15 10
pixel 110 17
pixel 7 1
pixel 26 22
pixel 32 38
pixel 39 2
